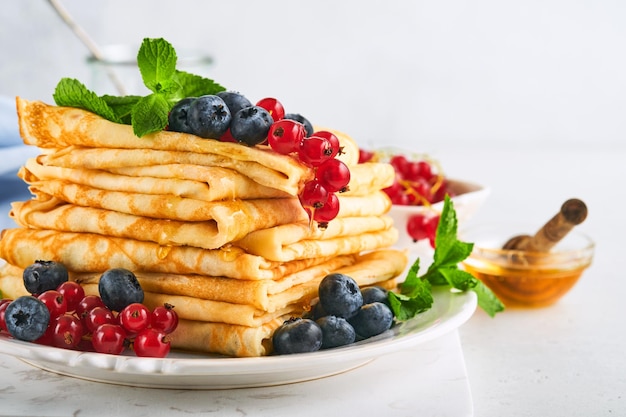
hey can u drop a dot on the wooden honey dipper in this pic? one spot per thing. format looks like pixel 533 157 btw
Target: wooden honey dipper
pixel 573 212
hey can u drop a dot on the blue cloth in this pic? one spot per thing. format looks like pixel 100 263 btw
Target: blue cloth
pixel 13 154
pixel 9 132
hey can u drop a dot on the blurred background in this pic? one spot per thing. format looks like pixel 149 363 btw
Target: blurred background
pixel 419 74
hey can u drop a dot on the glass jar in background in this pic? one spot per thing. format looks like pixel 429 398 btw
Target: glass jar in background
pixel 117 72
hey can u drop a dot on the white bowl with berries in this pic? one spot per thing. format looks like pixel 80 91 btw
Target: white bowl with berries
pixel 417 196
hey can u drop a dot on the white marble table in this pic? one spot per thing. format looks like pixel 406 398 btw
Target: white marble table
pixel 564 360
pixel 437 371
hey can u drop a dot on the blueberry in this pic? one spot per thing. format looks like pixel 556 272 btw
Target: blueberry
pixel 372 319
pixel 118 288
pixel 208 117
pixel 177 118
pixel 251 125
pixel 375 294
pixel 300 118
pixel 297 335
pixel 235 101
pixel 336 331
pixel 27 318
pixel 340 295
pixel 43 276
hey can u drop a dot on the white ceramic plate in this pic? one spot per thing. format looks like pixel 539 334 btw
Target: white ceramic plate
pixel 189 371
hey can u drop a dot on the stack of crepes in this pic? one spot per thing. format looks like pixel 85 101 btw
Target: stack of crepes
pixel 213 228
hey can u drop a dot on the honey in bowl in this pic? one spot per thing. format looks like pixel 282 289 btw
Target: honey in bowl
pixel 529 279
pixel 524 270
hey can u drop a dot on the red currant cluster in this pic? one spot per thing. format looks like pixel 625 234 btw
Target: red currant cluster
pixel 416 183
pixel 83 322
pixel 318 151
pixel 319 195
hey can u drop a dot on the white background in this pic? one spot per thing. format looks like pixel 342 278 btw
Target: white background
pixel 424 75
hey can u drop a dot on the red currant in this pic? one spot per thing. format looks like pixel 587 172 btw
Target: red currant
pixel 48 337
pixel 87 303
pixel 135 317
pixel 98 316
pixel 401 199
pixel 73 292
pixel 3 306
pixel 67 331
pixel 313 195
pixel 365 156
pixel 394 190
pixel 399 163
pixel 421 227
pixel 151 343
pixel 410 171
pixel 441 191
pixel 273 106
pixel 285 136
pixel 415 227
pixel 334 175
pixel 109 338
pixel 431 229
pixel 421 191
pixel 164 318
pixel 328 211
pixel 424 170
pixel 314 150
pixel 333 140
pixel 227 137
pixel 55 302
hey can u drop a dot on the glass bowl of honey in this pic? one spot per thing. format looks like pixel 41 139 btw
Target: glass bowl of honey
pixel 522 278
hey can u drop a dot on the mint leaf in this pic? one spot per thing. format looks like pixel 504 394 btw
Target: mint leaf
pixel 415 292
pixel 412 279
pixel 415 295
pixel 487 300
pixel 149 115
pixel 196 86
pixel 406 307
pixel 459 279
pixel 449 250
pixel 72 93
pixel 157 63
pixel 122 106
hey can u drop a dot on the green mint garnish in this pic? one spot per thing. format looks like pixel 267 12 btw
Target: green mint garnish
pixel 415 292
pixel 157 64
pixel 72 93
pixel 150 114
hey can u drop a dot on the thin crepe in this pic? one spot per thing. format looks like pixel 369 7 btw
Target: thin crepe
pixel 260 294
pixel 54 127
pixel 225 339
pixel 87 252
pixel 82 165
pixel 47 212
pixel 299 241
pixel 191 181
pixel 165 206
pixel 269 295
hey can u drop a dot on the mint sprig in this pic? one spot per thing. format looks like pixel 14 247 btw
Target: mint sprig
pixel 415 292
pixel 156 60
